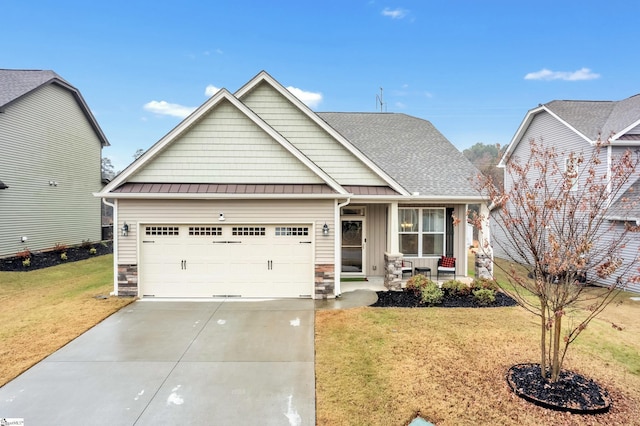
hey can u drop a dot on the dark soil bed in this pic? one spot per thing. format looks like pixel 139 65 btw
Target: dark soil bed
pixel 46 259
pixel 407 299
pixel 572 392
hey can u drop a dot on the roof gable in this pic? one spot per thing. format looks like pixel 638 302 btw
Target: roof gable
pixel 314 137
pixel 256 152
pixel 15 84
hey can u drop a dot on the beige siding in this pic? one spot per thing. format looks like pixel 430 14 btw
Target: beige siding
pixel 226 147
pixel 376 244
pixel 309 138
pixel 46 137
pixel 139 212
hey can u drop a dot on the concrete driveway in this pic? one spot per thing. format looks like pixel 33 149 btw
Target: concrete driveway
pixel 178 363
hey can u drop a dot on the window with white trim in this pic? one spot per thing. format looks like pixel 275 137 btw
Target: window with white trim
pixel 291 231
pixel 422 231
pixel 162 230
pixel 571 169
pixel 254 231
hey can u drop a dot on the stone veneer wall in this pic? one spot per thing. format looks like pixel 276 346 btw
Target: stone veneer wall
pixel 127 280
pixel 325 281
pixel 484 264
pixel 393 271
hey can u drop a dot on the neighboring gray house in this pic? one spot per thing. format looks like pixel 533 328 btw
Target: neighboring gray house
pixel 255 195
pixel 50 163
pixel 575 126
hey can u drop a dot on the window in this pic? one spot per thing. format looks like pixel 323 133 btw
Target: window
pixel 205 230
pixel 422 231
pixel 291 231
pixel 162 230
pixel 571 169
pixel 248 231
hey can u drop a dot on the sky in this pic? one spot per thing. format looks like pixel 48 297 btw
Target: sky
pixel 473 68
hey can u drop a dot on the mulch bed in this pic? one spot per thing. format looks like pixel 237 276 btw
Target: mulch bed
pixel 407 299
pixel 45 259
pixel 572 392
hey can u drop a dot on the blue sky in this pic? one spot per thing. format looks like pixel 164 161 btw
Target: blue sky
pixel 472 68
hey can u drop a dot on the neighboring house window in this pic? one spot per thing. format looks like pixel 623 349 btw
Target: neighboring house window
pixel 571 169
pixel 422 232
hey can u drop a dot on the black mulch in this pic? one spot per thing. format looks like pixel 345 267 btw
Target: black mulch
pixel 46 259
pixel 407 299
pixel 572 392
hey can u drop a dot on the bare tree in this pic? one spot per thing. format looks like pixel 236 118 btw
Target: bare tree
pixel 554 216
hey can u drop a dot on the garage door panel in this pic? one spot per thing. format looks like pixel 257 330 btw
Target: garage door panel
pixel 247 261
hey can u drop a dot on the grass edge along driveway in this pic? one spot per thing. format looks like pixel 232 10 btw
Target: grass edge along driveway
pixel 44 309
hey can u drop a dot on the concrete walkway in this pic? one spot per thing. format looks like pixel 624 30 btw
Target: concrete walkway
pixel 178 363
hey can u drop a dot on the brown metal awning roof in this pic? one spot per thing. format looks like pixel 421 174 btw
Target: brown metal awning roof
pixel 629 138
pixel 370 190
pixel 217 188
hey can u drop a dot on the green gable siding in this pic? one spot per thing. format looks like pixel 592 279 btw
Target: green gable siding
pixel 309 138
pixel 225 147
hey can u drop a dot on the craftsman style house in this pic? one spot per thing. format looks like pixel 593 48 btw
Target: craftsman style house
pixel 575 126
pixel 256 195
pixel 50 163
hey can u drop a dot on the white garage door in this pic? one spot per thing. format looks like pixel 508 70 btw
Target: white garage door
pixel 228 260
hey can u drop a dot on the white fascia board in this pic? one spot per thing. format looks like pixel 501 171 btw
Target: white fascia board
pixel 264 76
pixel 623 132
pixel 525 125
pixel 402 199
pixel 188 196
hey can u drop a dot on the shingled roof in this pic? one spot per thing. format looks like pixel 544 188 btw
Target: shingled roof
pixel 595 118
pixel 14 84
pixel 411 150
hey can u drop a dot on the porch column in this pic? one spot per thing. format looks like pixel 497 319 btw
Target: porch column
pixel 393 242
pixel 484 234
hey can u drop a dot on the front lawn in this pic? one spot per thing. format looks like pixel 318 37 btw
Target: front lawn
pixel 382 366
pixel 43 310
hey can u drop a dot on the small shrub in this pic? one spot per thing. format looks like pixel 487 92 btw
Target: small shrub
pixel 24 254
pixel 63 256
pixel 484 296
pixel 431 294
pixel 60 248
pixel 456 288
pixel 416 283
pixel 86 244
pixel 26 262
pixel 484 284
pixel 93 250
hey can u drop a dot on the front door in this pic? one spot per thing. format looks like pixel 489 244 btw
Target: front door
pixel 353 245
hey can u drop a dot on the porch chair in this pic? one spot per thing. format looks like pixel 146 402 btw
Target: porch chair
pixel 446 265
pixel 407 267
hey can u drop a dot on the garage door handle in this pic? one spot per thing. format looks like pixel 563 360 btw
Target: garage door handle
pixel 305 242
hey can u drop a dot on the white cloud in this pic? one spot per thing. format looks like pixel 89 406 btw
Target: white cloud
pixel 166 108
pixel 310 99
pixel 394 13
pixel 211 90
pixel 545 74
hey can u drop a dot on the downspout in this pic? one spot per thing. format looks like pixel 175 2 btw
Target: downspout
pixel 115 246
pixel 609 161
pixel 336 248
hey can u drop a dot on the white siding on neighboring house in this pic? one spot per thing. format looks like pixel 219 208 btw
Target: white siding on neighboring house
pixel 202 212
pixel 226 147
pixel 45 137
pixel 309 138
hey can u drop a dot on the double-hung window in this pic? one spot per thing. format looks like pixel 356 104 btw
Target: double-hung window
pixel 422 231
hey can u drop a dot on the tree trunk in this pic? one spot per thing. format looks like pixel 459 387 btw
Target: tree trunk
pixel 543 340
pixel 557 331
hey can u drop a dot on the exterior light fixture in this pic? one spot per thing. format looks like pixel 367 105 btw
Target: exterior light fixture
pixel 221 218
pixel 325 229
pixel 125 229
